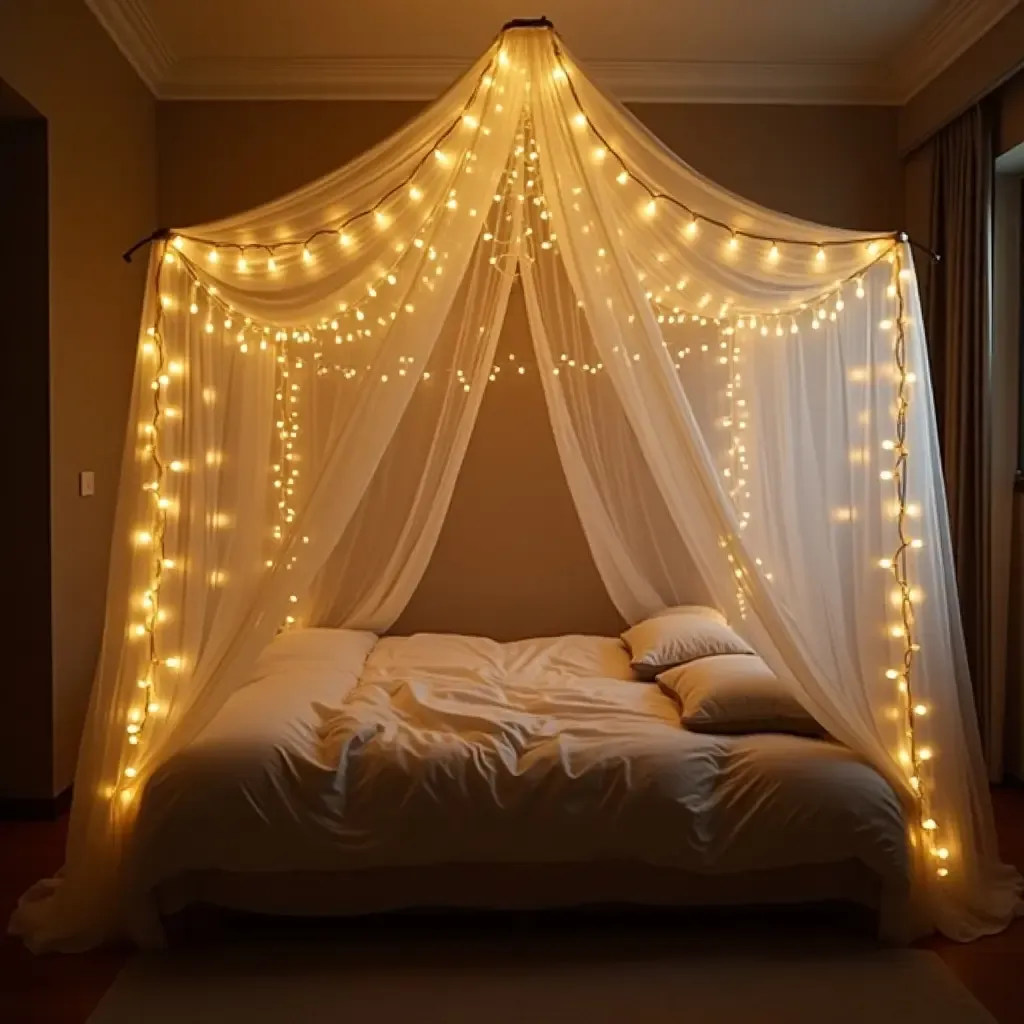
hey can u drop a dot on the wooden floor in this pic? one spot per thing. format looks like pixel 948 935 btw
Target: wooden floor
pixel 65 989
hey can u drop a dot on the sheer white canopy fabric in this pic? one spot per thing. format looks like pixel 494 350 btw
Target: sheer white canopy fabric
pixel 740 401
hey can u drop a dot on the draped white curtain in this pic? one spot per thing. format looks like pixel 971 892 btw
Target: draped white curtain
pixel 740 401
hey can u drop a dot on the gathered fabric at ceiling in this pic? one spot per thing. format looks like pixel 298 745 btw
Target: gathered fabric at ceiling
pixel 740 400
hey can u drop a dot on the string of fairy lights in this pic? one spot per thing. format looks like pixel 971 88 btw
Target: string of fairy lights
pixel 152 538
pixel 368 317
pixel 915 756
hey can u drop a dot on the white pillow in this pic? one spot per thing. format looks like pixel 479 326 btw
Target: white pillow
pixel 735 693
pixel 677 636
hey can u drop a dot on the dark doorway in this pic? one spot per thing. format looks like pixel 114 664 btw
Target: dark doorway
pixel 26 692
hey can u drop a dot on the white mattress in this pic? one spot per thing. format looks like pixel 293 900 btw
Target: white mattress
pixel 449 749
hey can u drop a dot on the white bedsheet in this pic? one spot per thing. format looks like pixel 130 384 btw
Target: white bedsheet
pixel 456 749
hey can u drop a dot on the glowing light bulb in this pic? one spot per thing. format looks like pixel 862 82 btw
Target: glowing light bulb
pixel 143 537
pixel 896 632
pixel 920 710
pixel 307 256
pixel 885 563
pixel 242 265
pixel 925 754
pixel 872 248
pixel 599 154
pixel 168 563
pixel 691 229
pixel 382 220
pixel 213 256
pixel 178 242
pixel 470 121
pixel 819 256
pixel 917 543
pixel 942 872
pixel 650 209
pixel 173 662
pixel 579 120
pixel 942 853
pixel 929 825
pixel 733 244
pixel 441 157
pixel 892 674
pixel 415 194
pixel 130 773
pixel 773 254
pixel 886 474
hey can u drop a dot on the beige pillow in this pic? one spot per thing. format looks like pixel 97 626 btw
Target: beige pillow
pixel 678 636
pixel 736 693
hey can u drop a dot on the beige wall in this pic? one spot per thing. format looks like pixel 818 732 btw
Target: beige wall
pixel 102 166
pixel 511 560
pixel 838 165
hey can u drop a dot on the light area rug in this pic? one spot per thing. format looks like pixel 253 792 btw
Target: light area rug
pixel 264 981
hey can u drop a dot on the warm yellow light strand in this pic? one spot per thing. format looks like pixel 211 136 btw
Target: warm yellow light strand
pixel 138 718
pixel 898 565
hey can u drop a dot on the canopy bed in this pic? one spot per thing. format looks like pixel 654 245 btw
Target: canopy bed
pixel 742 407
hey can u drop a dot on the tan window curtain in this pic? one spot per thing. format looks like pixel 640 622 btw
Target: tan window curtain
pixel 958 319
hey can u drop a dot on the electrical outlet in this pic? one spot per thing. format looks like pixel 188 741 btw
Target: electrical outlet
pixel 86 483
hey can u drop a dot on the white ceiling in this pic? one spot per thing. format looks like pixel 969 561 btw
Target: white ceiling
pixel 795 51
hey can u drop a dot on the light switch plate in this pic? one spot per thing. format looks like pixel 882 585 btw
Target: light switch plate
pixel 86 483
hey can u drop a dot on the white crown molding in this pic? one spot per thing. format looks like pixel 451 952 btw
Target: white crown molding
pixel 418 79
pixel 950 33
pixel 128 23
pixel 954 29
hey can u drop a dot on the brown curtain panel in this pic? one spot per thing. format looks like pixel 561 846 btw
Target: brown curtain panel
pixel 958 320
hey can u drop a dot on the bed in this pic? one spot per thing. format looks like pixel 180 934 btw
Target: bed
pixel 354 775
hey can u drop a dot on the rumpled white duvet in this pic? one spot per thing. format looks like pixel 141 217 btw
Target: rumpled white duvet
pixel 345 752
